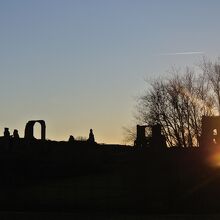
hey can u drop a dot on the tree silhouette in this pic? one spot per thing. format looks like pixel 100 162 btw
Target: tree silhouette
pixel 178 103
pixel 212 72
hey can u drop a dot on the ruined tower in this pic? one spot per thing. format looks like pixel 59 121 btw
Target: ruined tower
pixel 210 131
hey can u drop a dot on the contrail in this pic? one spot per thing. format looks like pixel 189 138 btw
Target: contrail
pixel 181 53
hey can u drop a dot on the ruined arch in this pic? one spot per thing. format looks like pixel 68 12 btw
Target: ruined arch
pixel 29 129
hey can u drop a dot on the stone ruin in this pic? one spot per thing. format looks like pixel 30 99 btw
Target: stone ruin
pixel 29 129
pixel 210 131
pixel 156 140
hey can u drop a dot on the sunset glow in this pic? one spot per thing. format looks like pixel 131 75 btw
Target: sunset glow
pixel 81 64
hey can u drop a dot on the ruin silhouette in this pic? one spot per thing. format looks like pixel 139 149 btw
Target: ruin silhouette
pixel 210 131
pixel 6 133
pixel 71 138
pixel 157 140
pixel 29 129
pixel 15 134
pixel 91 138
pixel 141 139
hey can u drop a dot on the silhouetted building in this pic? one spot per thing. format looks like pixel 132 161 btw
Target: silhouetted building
pixel 210 131
pixel 156 140
pixel 71 138
pixel 91 137
pixel 29 129
pixel 7 139
pixel 141 140
pixel 15 134
pixel 6 133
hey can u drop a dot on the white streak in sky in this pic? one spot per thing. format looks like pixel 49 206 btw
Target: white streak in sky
pixel 181 53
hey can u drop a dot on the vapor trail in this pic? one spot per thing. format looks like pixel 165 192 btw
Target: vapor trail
pixel 181 53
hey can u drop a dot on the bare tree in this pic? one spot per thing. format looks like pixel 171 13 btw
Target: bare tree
pixel 177 104
pixel 212 72
pixel 129 134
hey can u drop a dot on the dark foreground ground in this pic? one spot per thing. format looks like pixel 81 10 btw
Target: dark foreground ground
pixel 100 216
pixel 51 180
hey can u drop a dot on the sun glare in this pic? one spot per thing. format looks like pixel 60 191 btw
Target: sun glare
pixel 214 159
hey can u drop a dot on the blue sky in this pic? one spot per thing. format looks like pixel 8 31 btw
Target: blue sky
pixel 80 64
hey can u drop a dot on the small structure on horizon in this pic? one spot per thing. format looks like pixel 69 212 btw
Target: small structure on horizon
pixel 158 140
pixel 210 131
pixel 15 134
pixel 6 133
pixel 71 138
pixel 141 139
pixel 91 138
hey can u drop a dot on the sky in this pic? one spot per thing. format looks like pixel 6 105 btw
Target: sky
pixel 81 64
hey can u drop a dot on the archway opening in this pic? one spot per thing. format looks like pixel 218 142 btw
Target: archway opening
pixel 37 130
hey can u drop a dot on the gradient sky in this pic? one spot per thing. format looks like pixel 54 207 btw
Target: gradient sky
pixel 79 64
